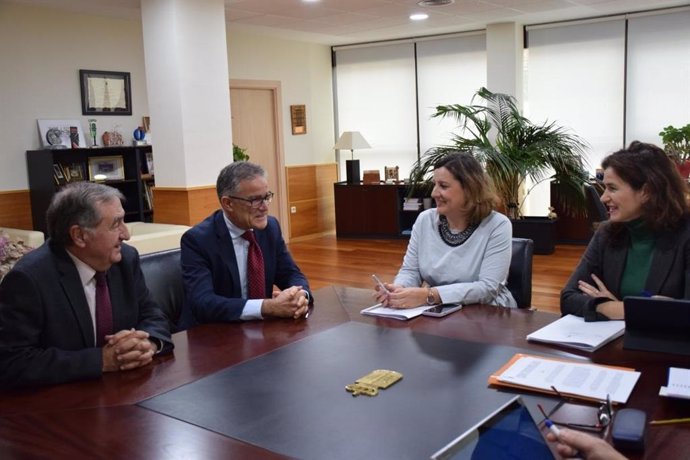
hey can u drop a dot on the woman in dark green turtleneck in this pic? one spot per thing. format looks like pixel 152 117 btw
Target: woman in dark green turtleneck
pixel 644 247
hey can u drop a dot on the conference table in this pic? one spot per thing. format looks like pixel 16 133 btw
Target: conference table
pixel 274 389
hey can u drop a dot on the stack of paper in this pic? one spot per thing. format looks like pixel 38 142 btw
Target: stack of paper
pixel 412 204
pixel 678 384
pixel 571 378
pixel 396 313
pixel 572 331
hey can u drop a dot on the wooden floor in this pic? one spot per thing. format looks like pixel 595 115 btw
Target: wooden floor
pixel 350 262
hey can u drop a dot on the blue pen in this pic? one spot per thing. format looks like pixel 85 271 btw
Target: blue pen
pixel 645 293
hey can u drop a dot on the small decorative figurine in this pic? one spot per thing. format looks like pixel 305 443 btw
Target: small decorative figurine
pixel 552 213
pixel 92 131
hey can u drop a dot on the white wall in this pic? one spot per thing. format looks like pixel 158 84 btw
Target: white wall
pixel 304 70
pixel 42 50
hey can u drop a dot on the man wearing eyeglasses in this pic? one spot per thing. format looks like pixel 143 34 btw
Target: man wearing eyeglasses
pixel 233 259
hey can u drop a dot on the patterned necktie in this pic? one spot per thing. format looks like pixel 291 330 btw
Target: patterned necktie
pixel 104 309
pixel 255 268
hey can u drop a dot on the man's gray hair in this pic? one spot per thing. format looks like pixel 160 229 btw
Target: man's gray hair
pixel 230 177
pixel 76 204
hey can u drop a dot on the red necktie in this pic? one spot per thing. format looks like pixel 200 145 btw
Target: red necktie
pixel 255 268
pixel 104 309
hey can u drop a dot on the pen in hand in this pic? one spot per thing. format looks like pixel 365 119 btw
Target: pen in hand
pixel 549 424
pixel 380 284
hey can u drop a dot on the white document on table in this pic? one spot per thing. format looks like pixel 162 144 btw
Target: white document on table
pixel 678 384
pixel 396 313
pixel 572 331
pixel 580 379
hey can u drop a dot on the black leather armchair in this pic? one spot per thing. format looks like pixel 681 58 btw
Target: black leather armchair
pixel 163 277
pixel 520 272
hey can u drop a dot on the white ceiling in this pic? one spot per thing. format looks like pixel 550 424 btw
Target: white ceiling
pixel 336 22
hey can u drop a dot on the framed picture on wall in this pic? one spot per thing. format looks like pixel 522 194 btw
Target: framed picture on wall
pixel 298 119
pixel 105 92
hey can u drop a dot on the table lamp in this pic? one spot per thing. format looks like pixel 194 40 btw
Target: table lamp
pixel 352 140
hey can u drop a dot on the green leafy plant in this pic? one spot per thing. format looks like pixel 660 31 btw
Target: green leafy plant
pixel 239 154
pixel 512 148
pixel 677 142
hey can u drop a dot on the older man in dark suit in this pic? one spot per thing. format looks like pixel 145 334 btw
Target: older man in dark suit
pixel 233 259
pixel 78 306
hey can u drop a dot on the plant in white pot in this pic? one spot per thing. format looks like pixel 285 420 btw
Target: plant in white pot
pixel 512 149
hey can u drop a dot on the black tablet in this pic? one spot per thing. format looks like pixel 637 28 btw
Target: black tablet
pixel 508 433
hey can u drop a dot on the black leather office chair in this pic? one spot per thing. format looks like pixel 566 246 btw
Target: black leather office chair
pixel 520 272
pixel 596 210
pixel 163 277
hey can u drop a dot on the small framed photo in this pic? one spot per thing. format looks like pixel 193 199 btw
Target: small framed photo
pixel 391 173
pixel 105 92
pixel 111 167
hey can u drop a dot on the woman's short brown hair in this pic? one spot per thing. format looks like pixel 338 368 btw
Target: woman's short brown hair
pixel 474 181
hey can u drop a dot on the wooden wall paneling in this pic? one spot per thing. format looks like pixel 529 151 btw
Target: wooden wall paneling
pixel 185 206
pixel 310 192
pixel 15 209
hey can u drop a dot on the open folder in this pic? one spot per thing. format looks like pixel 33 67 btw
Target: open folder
pixel 576 379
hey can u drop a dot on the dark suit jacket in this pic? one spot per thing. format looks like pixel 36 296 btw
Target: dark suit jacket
pixel 211 278
pixel 46 330
pixel 669 274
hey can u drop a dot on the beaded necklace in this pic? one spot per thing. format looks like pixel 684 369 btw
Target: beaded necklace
pixel 451 238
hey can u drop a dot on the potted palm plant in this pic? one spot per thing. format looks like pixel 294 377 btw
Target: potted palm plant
pixel 677 146
pixel 512 149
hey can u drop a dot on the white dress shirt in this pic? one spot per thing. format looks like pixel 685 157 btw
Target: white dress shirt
pixel 252 308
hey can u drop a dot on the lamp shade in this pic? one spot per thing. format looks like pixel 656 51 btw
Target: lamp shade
pixel 351 140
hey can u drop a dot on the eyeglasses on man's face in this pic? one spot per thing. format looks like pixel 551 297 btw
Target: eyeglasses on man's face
pixel 256 202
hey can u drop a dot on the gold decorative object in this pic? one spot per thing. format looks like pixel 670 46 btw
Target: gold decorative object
pixel 376 380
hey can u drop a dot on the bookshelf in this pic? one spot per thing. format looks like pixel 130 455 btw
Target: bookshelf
pixel 130 170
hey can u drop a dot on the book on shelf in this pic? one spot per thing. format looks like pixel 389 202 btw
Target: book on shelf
pixel 572 331
pixel 412 204
pixel 566 377
pixel 148 196
pixel 149 163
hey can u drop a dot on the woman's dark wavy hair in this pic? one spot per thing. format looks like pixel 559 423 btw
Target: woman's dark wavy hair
pixel 474 181
pixel 647 166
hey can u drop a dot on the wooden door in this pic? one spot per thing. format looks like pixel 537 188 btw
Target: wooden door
pixel 256 127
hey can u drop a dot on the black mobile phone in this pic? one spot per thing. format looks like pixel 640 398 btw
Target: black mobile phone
pixel 443 309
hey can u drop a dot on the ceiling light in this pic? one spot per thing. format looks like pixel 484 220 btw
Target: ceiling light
pixel 435 2
pixel 419 16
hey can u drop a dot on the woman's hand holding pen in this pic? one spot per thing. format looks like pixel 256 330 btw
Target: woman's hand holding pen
pixel 381 290
pixel 394 296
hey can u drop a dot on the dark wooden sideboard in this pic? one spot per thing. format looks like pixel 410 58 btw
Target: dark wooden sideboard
pixel 372 210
